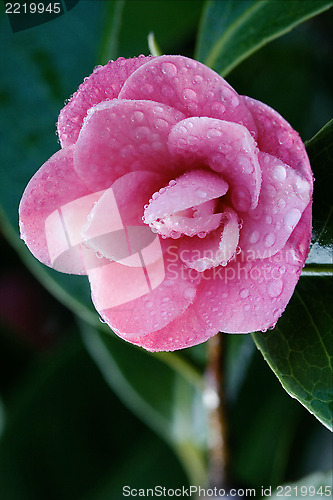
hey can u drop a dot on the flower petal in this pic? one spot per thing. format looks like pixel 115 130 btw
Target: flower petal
pixel 215 249
pixel 137 300
pixel 103 84
pixel 123 136
pixel 228 148
pixel 243 297
pixel 283 198
pixel 51 213
pixel 278 138
pixel 190 87
pixel 165 210
pixel 115 229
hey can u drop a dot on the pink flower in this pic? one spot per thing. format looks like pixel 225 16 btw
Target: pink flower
pixel 187 205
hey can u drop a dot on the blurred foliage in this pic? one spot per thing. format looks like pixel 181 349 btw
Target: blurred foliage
pixel 63 432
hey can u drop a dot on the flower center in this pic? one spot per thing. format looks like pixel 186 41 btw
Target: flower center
pixel 186 206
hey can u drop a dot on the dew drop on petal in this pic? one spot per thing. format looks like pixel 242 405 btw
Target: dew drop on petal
pixel 189 293
pixel 269 240
pixel 281 203
pixel 169 69
pixel 189 95
pixel 254 237
pixel 168 283
pixel 292 217
pixel 274 287
pixel 137 116
pixel 279 173
pixel 201 193
pixel 244 293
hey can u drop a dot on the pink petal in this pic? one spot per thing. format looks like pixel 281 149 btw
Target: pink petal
pixel 216 248
pixel 189 86
pixel 165 210
pixel 115 229
pixel 241 298
pixel 228 148
pixel 136 301
pixel 104 83
pixel 124 136
pixel 278 138
pixel 283 198
pixel 48 218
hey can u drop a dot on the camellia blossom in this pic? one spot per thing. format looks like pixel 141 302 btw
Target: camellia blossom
pixel 187 205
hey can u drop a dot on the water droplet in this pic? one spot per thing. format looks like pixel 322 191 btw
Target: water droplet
pixel 302 187
pixel 212 132
pixel 281 203
pixel 271 191
pixel 169 69
pixel 254 237
pixel 279 173
pixel 168 283
pixel 292 218
pixel 269 240
pixel 197 79
pixel 161 123
pixel 274 287
pixel 201 193
pixel 244 293
pixel 189 293
pixel 269 219
pixel 137 116
pixel 148 305
pixel 147 89
pixel 102 320
pixel 175 235
pixel 172 183
pixel 246 164
pixel 99 255
pixel 202 234
pixel 189 95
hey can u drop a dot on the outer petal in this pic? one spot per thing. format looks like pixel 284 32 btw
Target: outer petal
pixel 188 86
pixel 115 229
pixel 103 84
pixel 241 298
pixel 228 148
pixel 278 138
pixel 283 198
pixel 46 213
pixel 136 301
pixel 123 136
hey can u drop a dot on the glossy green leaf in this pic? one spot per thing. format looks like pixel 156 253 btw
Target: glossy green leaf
pixel 320 151
pixel 162 389
pixel 299 349
pixel 316 486
pixel 231 31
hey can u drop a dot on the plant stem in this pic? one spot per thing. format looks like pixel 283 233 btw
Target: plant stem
pixel 217 419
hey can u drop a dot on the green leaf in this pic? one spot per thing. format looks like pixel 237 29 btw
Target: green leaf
pixel 320 151
pixel 162 389
pixel 299 349
pixel 231 31
pixel 316 486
